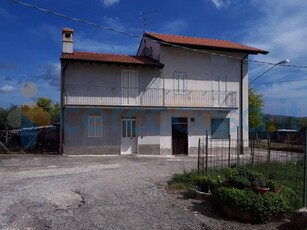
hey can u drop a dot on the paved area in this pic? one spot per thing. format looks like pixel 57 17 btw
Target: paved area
pixel 111 192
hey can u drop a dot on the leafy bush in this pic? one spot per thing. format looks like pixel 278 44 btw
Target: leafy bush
pixel 185 179
pixel 259 182
pixel 259 207
pixel 240 176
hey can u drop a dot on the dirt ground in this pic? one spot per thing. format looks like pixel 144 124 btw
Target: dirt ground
pixel 105 192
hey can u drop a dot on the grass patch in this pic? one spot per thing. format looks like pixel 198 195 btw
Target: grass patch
pixel 184 180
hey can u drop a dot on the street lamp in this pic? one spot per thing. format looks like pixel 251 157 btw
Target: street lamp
pixel 279 63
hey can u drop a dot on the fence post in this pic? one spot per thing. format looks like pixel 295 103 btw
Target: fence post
pixel 206 153
pixel 305 174
pixel 238 145
pixel 198 156
pixel 229 146
pixel 269 147
pixel 253 141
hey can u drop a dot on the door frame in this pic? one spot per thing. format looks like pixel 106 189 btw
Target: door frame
pixel 187 133
pixel 136 134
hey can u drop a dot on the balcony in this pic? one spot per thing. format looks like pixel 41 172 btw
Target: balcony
pixel 155 97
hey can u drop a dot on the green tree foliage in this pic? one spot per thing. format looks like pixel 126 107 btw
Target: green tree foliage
pixel 53 109
pixel 45 112
pixel 255 104
pixel 4 114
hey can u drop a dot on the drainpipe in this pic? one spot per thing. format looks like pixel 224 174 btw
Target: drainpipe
pixel 62 109
pixel 241 105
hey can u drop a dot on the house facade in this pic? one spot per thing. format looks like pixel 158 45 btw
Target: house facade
pixel 158 102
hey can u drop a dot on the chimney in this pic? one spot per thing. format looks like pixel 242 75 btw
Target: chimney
pixel 67 40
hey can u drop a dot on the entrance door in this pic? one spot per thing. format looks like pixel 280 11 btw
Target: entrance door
pixel 129 84
pixel 180 135
pixel 128 137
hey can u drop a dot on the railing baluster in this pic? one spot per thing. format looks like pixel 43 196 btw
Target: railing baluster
pixel 149 97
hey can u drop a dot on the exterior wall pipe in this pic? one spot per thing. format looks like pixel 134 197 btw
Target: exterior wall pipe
pixel 241 105
pixel 62 108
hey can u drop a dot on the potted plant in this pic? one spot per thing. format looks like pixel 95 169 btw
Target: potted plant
pixel 203 184
pixel 260 185
pixel 273 186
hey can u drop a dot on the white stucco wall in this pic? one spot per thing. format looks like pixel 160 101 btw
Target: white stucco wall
pixel 101 80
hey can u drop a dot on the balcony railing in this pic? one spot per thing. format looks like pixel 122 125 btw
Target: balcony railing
pixel 96 95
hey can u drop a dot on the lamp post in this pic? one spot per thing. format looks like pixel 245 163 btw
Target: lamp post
pixel 241 96
pixel 278 63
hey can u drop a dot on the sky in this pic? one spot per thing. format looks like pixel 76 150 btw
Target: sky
pixel 31 41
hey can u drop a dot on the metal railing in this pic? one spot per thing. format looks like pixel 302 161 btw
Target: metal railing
pixel 97 95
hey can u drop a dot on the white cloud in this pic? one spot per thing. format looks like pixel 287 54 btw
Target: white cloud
pixel 7 89
pixel 113 22
pixel 281 29
pixel 108 3
pixel 174 27
pixel 221 3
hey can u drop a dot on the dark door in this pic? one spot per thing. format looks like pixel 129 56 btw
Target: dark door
pixel 180 135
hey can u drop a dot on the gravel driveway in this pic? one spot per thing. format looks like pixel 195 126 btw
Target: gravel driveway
pixel 56 192
pixel 106 192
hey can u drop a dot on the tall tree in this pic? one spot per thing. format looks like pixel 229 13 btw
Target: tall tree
pixel 52 108
pixel 255 104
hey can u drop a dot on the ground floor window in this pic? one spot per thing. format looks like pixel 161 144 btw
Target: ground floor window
pixel 220 128
pixel 94 126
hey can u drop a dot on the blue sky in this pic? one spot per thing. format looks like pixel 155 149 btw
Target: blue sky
pixel 31 40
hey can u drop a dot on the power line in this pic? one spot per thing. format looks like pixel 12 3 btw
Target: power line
pixel 278 82
pixel 141 37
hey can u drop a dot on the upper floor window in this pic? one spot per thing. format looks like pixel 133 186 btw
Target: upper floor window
pixel 180 82
pixel 94 126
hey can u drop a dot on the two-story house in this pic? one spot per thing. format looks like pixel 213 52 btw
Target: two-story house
pixel 159 102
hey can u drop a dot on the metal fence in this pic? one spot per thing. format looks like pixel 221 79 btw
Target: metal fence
pixel 283 162
pixel 43 139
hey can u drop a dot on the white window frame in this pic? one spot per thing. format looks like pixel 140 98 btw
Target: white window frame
pixel 94 126
pixel 176 78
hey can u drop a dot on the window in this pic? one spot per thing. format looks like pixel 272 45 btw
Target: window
pixel 94 126
pixel 220 128
pixel 180 82
pixel 129 127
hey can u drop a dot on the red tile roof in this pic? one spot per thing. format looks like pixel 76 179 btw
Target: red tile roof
pixel 111 58
pixel 205 43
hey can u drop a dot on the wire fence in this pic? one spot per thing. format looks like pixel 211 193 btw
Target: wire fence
pixel 284 162
pixel 43 139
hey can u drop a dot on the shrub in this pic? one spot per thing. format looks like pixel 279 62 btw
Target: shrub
pixel 240 176
pixel 272 185
pixel 259 182
pixel 185 179
pixel 259 207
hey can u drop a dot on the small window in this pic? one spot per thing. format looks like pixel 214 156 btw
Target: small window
pixel 94 126
pixel 220 128
pixel 180 82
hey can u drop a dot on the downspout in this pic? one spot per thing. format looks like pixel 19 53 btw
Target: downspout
pixel 62 109
pixel 241 106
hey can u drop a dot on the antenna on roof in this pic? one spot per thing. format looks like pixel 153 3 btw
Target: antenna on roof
pixel 146 17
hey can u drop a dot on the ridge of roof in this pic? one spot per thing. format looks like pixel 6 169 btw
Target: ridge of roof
pixel 209 43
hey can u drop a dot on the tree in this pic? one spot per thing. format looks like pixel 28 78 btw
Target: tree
pixel 45 103
pixel 53 109
pixel 255 104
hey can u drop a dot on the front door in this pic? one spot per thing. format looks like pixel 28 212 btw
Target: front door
pixel 129 86
pixel 128 136
pixel 180 135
